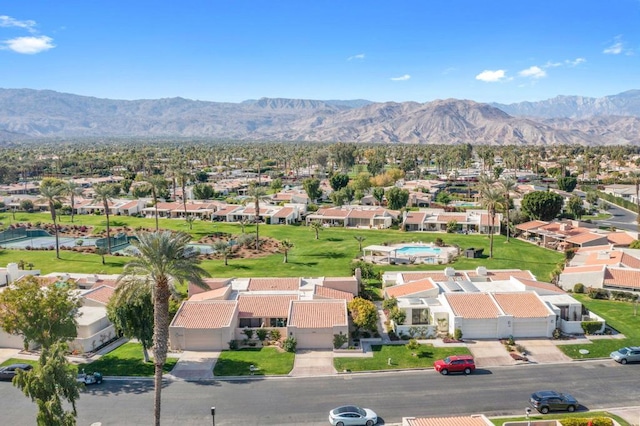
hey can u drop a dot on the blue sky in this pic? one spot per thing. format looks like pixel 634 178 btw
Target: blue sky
pixel 229 51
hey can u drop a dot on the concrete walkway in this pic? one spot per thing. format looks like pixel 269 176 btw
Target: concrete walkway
pixel 309 363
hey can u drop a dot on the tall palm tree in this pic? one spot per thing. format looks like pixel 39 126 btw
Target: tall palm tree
pixel 360 239
pixel 256 194
pixel 157 183
pixel 507 186
pixel 183 178
pixel 286 245
pixel 492 200
pixel 161 264
pixel 73 189
pixel 52 191
pixel 104 193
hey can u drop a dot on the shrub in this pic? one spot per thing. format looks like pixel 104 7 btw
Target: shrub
pixel 590 327
pixel 557 333
pixel 578 288
pixel 233 345
pixel 389 304
pixel 457 334
pixel 289 344
pixel 339 340
pixel 262 333
pixel 248 332
pixel 413 345
pixel 438 242
pixel 398 316
pixel 275 334
pixel 595 421
pixel 511 341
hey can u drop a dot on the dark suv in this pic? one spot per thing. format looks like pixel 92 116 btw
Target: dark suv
pixel 545 401
pixel 455 364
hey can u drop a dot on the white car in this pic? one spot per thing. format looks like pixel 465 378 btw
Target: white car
pixel 352 415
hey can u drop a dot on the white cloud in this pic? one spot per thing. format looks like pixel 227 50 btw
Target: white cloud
pixel 491 76
pixel 8 21
pixel 533 72
pixel 29 45
pixel 358 56
pixel 575 62
pixel 552 64
pixel 401 78
pixel 614 49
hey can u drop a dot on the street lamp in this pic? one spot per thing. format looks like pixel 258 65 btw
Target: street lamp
pixel 527 412
pixel 213 415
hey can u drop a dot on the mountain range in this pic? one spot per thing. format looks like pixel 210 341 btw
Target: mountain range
pixel 27 114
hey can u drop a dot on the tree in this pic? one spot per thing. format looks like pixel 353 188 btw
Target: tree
pixel 363 313
pixel 507 186
pixel 50 382
pixel 161 264
pixel 592 198
pixel 276 185
pixel 73 190
pixel 223 249
pixel 542 205
pixel 344 155
pixel 286 245
pixel 567 183
pixel 41 317
pixel 338 198
pixel 52 191
pixel 316 225
pixel 362 182
pixel 359 239
pixel 256 194
pixel 130 310
pixel 104 193
pixel 492 200
pixel 339 181
pixel 203 191
pixel 312 188
pixel 575 206
pixel 158 185
pixel 378 194
pixel 397 198
pixel 25 205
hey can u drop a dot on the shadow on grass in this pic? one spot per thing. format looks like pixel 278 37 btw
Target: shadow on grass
pixel 333 239
pixel 307 264
pixel 330 255
pixel 112 366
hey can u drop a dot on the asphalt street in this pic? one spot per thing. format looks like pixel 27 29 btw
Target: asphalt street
pixel 295 401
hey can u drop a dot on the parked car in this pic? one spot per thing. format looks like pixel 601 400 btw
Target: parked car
pixel 545 401
pixel 352 415
pixel 9 372
pixel 89 378
pixel 455 364
pixel 628 354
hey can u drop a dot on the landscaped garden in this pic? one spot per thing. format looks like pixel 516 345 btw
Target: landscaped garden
pixel 591 415
pixel 266 361
pixel 126 360
pixel 394 357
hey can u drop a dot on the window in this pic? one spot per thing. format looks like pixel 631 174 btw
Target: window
pixel 250 322
pixel 278 322
pixel 420 316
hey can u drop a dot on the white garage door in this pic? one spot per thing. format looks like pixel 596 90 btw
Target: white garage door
pixel 204 340
pixel 480 329
pixel 10 341
pixel 530 328
pixel 314 339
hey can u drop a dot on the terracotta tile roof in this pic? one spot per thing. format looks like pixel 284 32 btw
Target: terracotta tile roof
pixel 207 314
pixel 606 257
pixel 582 269
pixel 84 282
pixel 100 294
pixel 472 305
pixel 280 284
pixel 332 212
pixel 594 248
pixel 527 226
pixel 318 313
pixel 620 238
pixel 412 287
pixel 434 275
pixel 129 205
pixel 209 295
pixel 502 274
pixel 628 278
pixel 485 219
pixel 522 305
pixel 445 421
pixel 415 218
pixel 226 210
pixel 630 261
pixel 213 283
pixel 363 214
pixel 283 212
pixel 448 217
pixel 541 285
pixel 264 306
pixel 586 237
pixel 332 293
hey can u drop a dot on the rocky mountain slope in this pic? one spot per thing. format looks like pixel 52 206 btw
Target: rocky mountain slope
pixel 28 114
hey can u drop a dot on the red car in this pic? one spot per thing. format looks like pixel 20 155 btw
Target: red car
pixel 455 364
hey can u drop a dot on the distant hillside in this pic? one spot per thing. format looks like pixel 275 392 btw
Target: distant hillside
pixel 28 114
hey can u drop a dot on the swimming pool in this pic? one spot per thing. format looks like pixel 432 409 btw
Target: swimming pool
pixel 418 250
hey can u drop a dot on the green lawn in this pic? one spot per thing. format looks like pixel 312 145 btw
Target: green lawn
pixel 401 357
pixel 126 360
pixel 620 316
pixel 268 361
pixel 533 417
pixel 19 361
pixel 330 255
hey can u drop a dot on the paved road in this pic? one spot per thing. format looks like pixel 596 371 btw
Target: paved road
pixel 287 401
pixel 622 219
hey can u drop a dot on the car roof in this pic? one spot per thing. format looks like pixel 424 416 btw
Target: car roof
pixel 468 357
pixel 20 365
pixel 546 393
pixel 346 409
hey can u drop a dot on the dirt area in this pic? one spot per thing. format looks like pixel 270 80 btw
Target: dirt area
pixel 268 246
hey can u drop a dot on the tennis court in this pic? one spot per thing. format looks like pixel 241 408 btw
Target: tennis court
pixel 39 242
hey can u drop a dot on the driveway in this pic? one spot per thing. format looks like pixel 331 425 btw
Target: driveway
pixel 313 363
pixel 195 365
pixel 543 351
pixel 489 353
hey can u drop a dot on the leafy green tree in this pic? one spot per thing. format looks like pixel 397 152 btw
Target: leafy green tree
pixel 567 183
pixel 338 198
pixel 344 155
pixel 362 182
pixel 376 165
pixel 163 262
pixel 223 249
pixel 40 317
pixel 49 383
pixel 316 226
pixel 286 245
pixel 397 198
pixel 203 191
pixel 635 244
pixel 575 206
pixel 378 194
pixel 364 313
pixel 202 176
pixel 542 205
pixel 276 185
pixel 130 310
pixel 443 197
pixel 592 198
pixel 312 188
pixel 52 191
pixel 339 181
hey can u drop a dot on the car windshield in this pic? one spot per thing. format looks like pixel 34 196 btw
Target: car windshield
pixel 350 409
pixel 623 351
pixel 447 360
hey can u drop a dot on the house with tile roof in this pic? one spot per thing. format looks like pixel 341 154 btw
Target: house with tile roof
pixel 370 217
pixel 437 220
pixel 473 420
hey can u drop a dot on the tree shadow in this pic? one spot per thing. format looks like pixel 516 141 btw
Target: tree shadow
pixel 334 239
pixel 330 255
pixel 307 264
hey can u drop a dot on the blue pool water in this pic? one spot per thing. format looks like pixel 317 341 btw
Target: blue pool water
pixel 418 250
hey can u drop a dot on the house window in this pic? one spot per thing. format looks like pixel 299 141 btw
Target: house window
pixel 419 316
pixel 278 322
pixel 250 322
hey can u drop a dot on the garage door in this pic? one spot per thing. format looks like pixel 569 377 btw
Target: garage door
pixel 480 329
pixel 314 339
pixel 10 341
pixel 537 328
pixel 204 340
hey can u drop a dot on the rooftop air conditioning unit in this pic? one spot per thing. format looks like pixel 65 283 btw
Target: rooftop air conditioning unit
pixel 481 270
pixel 450 272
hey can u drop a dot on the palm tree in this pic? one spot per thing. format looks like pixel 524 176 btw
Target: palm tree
pixel 161 264
pixel 286 245
pixel 492 200
pixel 73 189
pixel 52 190
pixel 360 239
pixel 507 186
pixel 183 178
pixel 256 193
pixel 104 193
pixel 316 225
pixel 224 249
pixel 157 183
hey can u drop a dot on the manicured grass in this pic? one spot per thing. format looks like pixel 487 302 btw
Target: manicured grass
pixel 126 360
pixel 268 361
pixel 618 315
pixel 10 361
pixel 330 255
pixel 401 357
pixel 533 417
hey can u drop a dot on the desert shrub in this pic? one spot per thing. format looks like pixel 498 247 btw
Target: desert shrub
pixel 262 333
pixel 578 288
pixel 389 304
pixel 598 293
pixel 557 333
pixel 398 315
pixel 290 344
pixel 590 327
pixel 413 345
pixel 595 421
pixel 339 340
pixel 275 334
pixel 457 334
pixel 248 332
pixel 233 345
